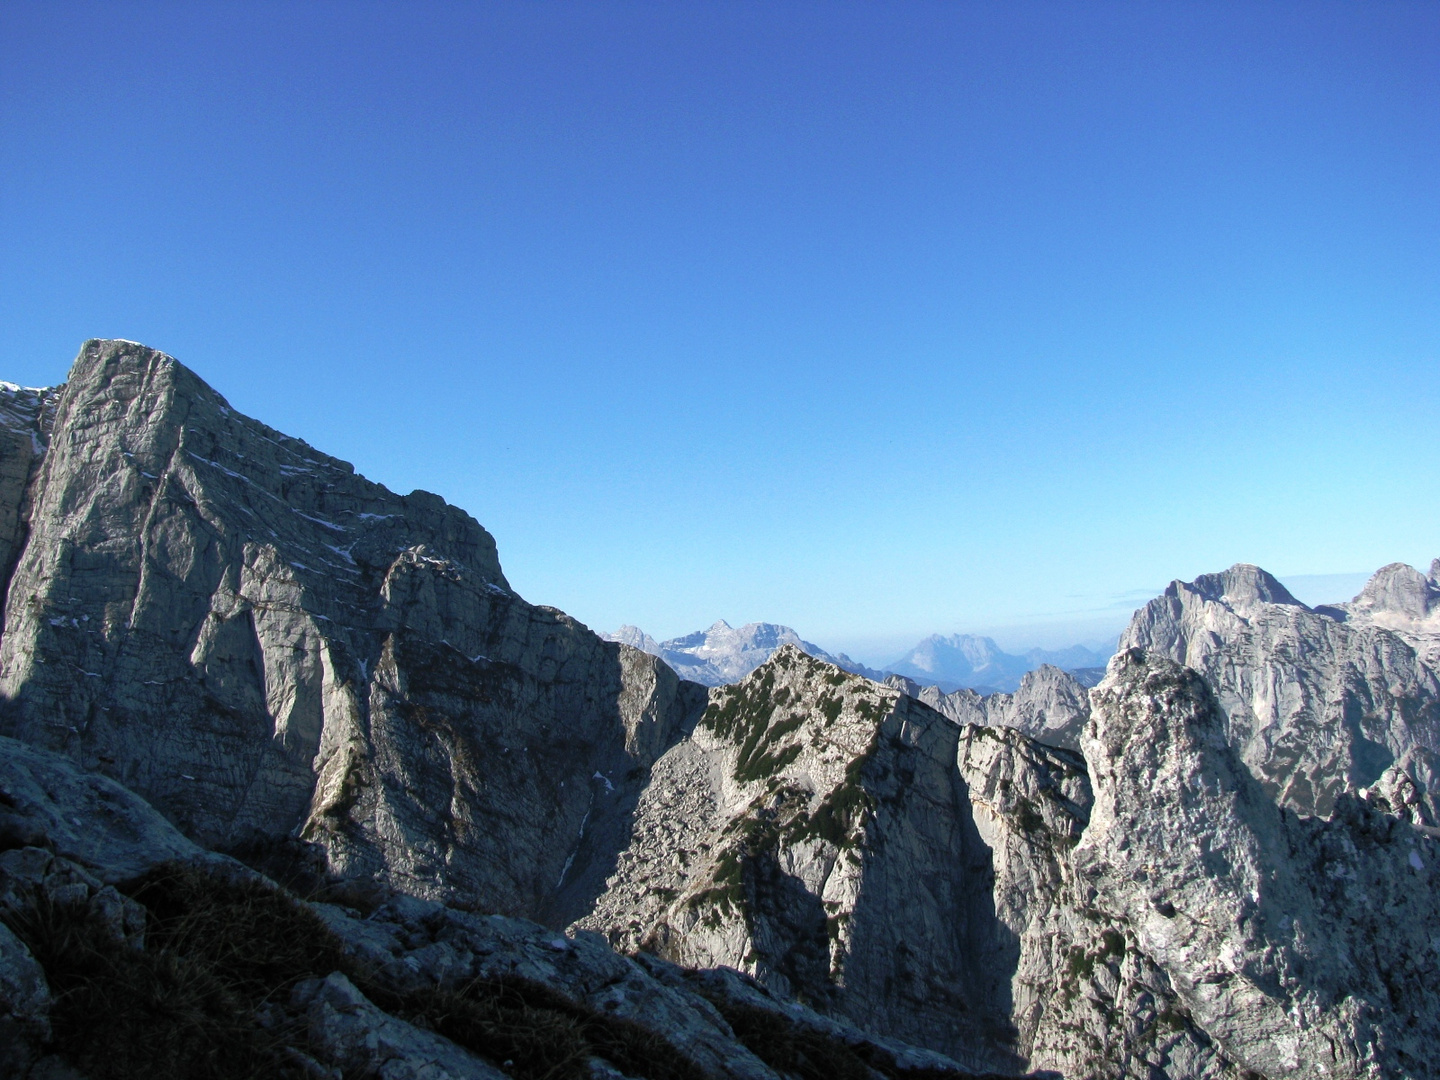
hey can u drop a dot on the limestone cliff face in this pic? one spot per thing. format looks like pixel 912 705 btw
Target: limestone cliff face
pixel 1304 947
pixel 814 831
pixel 260 641
pixel 1317 702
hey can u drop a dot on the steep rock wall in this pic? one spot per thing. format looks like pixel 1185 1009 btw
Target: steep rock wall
pixel 814 831
pixel 262 642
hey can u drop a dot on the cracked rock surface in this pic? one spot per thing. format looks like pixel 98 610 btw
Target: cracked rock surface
pixel 815 832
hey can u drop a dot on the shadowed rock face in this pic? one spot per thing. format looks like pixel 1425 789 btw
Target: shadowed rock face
pixel 260 641
pixel 1317 702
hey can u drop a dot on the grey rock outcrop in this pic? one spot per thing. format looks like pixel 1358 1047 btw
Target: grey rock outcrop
pixel 327 1025
pixel 26 417
pixel 259 641
pixel 1304 947
pixel 814 832
pixel 346 1029
pixel 1318 702
pixel 47 802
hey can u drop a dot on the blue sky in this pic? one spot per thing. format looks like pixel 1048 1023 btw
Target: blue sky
pixel 874 319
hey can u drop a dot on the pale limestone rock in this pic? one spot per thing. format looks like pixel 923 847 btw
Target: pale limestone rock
pixel 26 416
pixel 1304 947
pixel 1049 705
pixel 416 943
pixel 349 1031
pixel 1317 702
pixel 46 800
pixel 814 832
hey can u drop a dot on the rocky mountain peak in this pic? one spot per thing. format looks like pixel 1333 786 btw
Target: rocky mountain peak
pixel 1050 705
pixel 783 838
pixel 1316 912
pixel 722 654
pixel 635 638
pixel 1400 596
pixel 1307 722
pixel 1242 587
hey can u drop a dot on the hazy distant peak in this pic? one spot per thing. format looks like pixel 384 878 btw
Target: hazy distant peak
pixel 635 638
pixel 723 654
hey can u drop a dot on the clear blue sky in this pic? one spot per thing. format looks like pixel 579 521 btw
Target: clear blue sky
pixel 873 319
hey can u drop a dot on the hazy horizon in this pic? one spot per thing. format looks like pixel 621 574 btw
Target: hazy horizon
pixel 1095 632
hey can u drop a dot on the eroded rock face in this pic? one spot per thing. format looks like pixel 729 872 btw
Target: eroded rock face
pixel 1302 946
pixel 1317 702
pixel 259 641
pixel 26 417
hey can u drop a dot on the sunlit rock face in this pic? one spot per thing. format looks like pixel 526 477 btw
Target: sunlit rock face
pixel 1317 702
pixel 1302 946
pixel 1050 705
pixel 260 642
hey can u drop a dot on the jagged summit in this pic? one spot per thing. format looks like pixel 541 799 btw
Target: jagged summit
pixel 287 660
pixel 1319 702
pixel 1401 598
pixel 783 838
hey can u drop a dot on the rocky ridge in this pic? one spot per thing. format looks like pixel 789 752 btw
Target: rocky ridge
pixel 1049 705
pixel 810 832
pixel 1304 946
pixel 292 663
pixel 82 855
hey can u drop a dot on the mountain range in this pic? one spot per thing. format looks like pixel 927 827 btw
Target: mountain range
pixel 294 784
pixel 724 654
